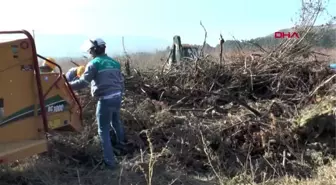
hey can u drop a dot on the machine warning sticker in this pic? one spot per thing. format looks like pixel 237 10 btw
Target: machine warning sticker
pixel 54 124
pixel 24 45
pixel 15 51
pixel 27 67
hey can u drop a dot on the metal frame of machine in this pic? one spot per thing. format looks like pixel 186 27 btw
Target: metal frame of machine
pixel 41 97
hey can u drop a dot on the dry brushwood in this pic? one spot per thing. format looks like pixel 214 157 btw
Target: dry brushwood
pixel 247 112
pixel 248 109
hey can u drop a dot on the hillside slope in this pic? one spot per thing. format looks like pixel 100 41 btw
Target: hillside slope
pixel 327 40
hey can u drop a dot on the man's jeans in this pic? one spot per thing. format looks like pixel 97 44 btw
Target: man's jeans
pixel 108 115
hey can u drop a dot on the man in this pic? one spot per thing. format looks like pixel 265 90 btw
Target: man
pixel 107 84
pixel 75 73
pixel 48 67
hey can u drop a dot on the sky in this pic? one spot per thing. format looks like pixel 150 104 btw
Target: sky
pixel 155 20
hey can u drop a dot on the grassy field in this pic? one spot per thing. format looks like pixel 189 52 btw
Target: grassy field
pixel 156 60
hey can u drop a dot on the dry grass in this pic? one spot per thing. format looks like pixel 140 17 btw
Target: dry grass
pixel 147 61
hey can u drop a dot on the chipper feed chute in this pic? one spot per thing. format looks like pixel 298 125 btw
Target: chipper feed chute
pixel 31 103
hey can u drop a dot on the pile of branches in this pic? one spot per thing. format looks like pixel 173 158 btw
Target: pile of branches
pixel 243 109
pixel 263 78
pixel 242 112
pixel 268 113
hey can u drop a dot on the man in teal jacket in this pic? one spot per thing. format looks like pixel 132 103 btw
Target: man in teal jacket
pixel 107 84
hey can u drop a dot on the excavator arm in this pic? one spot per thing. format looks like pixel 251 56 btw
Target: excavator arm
pixel 179 53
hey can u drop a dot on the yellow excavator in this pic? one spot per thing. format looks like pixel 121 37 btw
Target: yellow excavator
pixel 32 104
pixel 180 54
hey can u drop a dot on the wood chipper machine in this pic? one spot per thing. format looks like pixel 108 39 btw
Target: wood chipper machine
pixel 32 104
